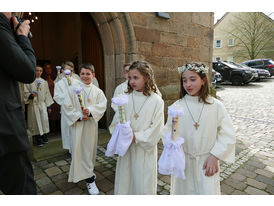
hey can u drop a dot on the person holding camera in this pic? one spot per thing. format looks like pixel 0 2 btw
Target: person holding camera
pixel 18 64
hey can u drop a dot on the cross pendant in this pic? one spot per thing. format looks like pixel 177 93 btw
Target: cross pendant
pixel 196 125
pixel 136 116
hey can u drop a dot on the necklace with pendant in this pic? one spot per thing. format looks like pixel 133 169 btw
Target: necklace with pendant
pixel 89 100
pixel 196 125
pixel 136 114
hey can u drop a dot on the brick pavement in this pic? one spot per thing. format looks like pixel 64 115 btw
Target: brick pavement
pixel 251 108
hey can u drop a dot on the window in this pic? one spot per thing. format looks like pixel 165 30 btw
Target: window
pixel 218 43
pixel 218 58
pixel 230 42
pixel 229 59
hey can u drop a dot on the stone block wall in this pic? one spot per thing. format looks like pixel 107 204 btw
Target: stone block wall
pixel 169 43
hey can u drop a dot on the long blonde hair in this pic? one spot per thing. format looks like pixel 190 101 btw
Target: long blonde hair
pixel 146 71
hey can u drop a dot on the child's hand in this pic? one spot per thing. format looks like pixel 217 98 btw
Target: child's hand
pixel 85 112
pixel 211 165
pixel 85 118
pixel 35 94
pixel 133 139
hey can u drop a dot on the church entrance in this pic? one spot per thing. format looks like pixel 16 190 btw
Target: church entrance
pixel 66 36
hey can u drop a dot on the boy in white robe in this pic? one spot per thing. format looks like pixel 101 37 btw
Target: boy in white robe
pixel 60 92
pixel 207 131
pixel 38 98
pixel 84 127
pixel 136 171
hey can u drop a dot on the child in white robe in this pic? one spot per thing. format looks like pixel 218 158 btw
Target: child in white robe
pixel 83 123
pixel 207 131
pixel 121 88
pixel 39 100
pixel 136 171
pixel 60 92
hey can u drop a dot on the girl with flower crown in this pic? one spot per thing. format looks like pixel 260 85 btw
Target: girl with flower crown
pixel 83 108
pixel 136 171
pixel 207 131
pixel 39 100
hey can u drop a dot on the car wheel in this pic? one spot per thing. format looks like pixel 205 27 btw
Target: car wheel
pixel 237 81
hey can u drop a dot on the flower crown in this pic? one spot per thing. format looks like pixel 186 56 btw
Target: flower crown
pixel 193 67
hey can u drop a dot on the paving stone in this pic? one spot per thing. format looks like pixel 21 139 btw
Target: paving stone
pixel 237 176
pixel 111 192
pixel 58 192
pixel 256 164
pixel 74 191
pixel 65 168
pixel 164 192
pixel 107 173
pixel 253 191
pixel 226 189
pixel 59 177
pixel 264 173
pixel 246 173
pixel 265 180
pixel 270 169
pixel 49 188
pixel 161 183
pixel 235 184
pixel 270 189
pixel 48 166
pixel 238 192
pixel 166 179
pixel 249 167
pixel 98 176
pixel 256 184
pixel 269 162
pixel 101 168
pixel 43 181
pixel 82 184
pixel 61 163
pixel 53 171
pixel 64 185
pixel 42 163
pixel 111 178
pixel 39 176
pixel 104 185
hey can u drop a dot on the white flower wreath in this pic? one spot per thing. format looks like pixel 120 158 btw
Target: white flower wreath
pixel 193 67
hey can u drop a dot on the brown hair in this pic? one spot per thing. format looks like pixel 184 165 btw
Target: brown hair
pixel 87 66
pixel 204 91
pixel 126 64
pixel 146 71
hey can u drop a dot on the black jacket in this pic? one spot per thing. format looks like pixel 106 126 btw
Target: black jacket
pixel 17 63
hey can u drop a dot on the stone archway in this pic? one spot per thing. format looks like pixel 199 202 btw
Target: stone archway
pixel 119 46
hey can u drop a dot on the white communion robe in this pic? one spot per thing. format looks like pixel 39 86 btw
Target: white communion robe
pixel 136 171
pixel 38 122
pixel 84 134
pixel 215 135
pixel 60 92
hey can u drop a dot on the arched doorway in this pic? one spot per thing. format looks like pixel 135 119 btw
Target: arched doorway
pixel 58 37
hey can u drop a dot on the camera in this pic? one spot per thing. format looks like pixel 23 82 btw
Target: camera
pixel 20 21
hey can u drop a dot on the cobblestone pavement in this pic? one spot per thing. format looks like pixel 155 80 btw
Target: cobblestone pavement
pixel 251 108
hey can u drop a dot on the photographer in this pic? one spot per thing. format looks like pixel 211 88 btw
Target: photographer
pixel 17 64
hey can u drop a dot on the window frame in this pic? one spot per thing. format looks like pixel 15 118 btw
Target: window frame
pixel 217 44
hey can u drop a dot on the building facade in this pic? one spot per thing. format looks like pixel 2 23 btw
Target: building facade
pixel 226 47
pixel 110 39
